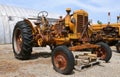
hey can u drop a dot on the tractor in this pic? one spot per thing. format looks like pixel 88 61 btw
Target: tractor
pixel 67 35
pixel 109 33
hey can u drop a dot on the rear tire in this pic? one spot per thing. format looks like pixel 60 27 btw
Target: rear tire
pixel 22 40
pixel 104 52
pixel 63 60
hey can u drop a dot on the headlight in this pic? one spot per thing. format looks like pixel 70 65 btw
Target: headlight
pixel 73 20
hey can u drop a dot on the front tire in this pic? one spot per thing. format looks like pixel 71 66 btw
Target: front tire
pixel 104 52
pixel 63 60
pixel 22 40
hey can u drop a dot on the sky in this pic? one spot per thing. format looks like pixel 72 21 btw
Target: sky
pixel 97 9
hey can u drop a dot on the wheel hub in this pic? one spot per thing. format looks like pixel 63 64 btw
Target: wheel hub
pixel 60 61
pixel 18 41
pixel 101 53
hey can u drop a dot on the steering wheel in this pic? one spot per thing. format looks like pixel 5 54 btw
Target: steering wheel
pixel 43 13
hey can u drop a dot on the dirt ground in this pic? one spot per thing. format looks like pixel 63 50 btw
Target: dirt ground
pixel 40 65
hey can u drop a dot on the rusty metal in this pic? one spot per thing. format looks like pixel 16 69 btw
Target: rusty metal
pixel 83 46
pixel 101 52
pixel 109 32
pixel 64 31
pixel 60 60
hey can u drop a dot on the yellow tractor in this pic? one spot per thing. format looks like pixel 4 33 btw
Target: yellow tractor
pixel 66 35
pixel 109 33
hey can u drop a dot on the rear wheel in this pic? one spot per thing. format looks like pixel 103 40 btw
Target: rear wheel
pixel 63 60
pixel 22 40
pixel 104 52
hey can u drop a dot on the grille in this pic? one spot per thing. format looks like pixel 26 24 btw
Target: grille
pixel 86 20
pixel 81 22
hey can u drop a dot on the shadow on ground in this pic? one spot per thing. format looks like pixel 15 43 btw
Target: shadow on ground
pixel 41 54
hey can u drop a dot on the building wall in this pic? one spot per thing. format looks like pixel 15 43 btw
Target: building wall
pixel 9 16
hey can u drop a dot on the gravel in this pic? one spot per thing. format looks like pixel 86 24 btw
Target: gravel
pixel 40 65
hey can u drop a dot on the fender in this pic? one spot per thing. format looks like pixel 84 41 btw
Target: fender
pixel 30 24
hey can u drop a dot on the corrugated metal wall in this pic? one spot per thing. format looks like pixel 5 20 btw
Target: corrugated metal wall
pixel 8 18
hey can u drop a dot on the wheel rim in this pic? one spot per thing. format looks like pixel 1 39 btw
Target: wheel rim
pixel 101 53
pixel 60 61
pixel 17 41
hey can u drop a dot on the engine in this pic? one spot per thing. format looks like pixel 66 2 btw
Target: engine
pixel 110 31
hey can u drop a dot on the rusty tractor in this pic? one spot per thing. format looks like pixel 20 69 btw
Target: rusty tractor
pixel 66 35
pixel 109 33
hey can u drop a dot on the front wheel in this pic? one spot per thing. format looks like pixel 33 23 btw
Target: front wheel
pixel 104 52
pixel 63 60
